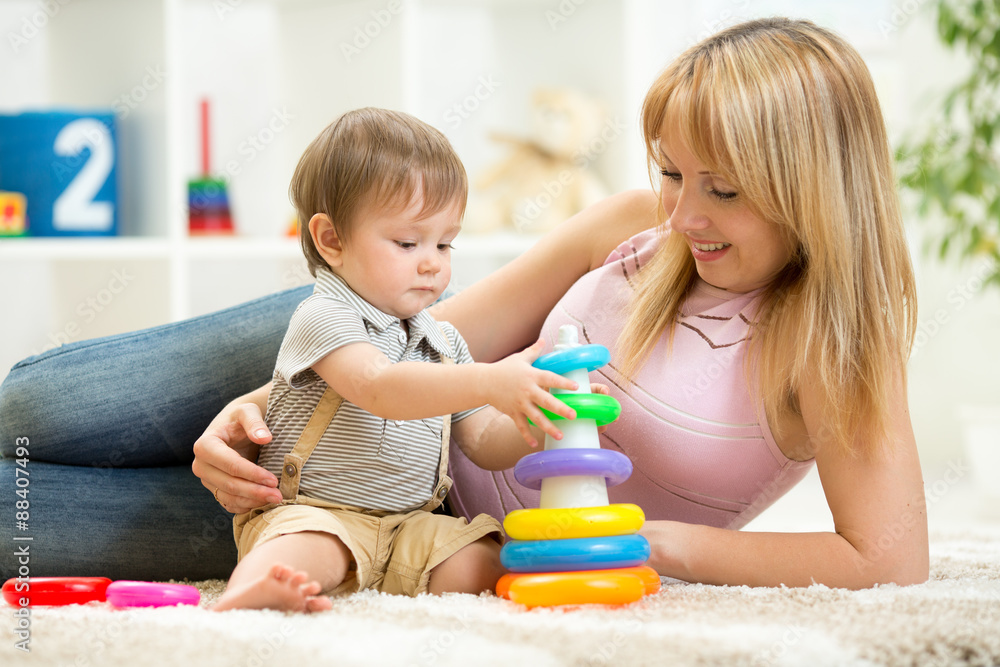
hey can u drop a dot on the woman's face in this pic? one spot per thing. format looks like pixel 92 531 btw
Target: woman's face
pixel 732 247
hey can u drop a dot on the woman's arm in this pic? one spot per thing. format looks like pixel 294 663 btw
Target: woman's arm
pixel 880 523
pixel 224 455
pixel 504 312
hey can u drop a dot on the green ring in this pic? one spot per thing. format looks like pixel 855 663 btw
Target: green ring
pixel 604 409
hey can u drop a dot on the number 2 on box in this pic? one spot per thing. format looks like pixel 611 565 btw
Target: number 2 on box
pixel 75 209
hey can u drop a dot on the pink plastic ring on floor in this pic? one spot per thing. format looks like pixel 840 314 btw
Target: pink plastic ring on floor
pixel 147 594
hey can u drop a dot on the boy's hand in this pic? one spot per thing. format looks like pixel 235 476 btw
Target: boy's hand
pixel 517 388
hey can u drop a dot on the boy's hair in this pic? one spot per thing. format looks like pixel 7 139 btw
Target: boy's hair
pixel 373 156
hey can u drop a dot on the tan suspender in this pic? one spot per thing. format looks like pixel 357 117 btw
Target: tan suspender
pixel 291 469
pixel 329 403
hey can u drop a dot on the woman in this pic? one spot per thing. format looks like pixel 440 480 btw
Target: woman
pixel 783 225
pixel 760 312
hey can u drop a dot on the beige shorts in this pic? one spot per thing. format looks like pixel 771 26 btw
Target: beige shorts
pixel 393 553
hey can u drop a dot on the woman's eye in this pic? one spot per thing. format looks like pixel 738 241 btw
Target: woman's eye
pixel 723 196
pixel 672 175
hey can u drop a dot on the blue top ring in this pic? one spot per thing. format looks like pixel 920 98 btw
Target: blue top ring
pixel 561 362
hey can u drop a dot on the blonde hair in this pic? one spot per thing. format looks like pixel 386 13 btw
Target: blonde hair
pixel 373 156
pixel 787 113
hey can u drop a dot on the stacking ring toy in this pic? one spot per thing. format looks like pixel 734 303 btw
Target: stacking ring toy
pixel 561 362
pixel 54 591
pixel 603 409
pixel 574 522
pixel 611 587
pixel 577 548
pixel 145 594
pixel 575 554
pixel 614 466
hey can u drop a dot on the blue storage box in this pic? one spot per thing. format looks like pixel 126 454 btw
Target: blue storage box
pixel 66 163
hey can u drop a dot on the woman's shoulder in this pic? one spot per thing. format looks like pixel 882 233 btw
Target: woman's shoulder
pixel 617 219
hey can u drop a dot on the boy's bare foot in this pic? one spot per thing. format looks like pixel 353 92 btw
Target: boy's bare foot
pixel 281 588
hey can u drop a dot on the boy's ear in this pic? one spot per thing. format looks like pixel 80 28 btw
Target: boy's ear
pixel 325 238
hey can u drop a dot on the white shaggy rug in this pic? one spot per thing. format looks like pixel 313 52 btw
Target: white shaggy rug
pixel 954 619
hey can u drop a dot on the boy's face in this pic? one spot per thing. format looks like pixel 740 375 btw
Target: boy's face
pixel 397 262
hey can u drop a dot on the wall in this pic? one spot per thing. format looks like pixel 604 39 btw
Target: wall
pixel 956 359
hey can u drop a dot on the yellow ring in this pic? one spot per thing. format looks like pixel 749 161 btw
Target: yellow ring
pixel 550 589
pixel 570 522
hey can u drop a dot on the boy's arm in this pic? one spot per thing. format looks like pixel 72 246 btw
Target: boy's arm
pixel 491 441
pixel 417 390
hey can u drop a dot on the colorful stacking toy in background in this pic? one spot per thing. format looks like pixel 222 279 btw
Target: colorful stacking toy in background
pixel 59 591
pixel 576 548
pixel 13 214
pixel 208 201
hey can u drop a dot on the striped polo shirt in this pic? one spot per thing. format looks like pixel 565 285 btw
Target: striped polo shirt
pixel 361 460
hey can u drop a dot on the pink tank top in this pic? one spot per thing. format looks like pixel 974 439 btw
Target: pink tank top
pixel 700 446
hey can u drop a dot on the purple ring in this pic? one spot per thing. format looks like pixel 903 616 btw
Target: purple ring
pixel 614 466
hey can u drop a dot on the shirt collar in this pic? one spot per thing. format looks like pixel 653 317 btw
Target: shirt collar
pixel 421 325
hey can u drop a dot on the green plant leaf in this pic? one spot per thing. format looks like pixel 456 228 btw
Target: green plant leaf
pixel 953 164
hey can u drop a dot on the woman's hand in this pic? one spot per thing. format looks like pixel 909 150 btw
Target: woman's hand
pixel 224 455
pixel 598 388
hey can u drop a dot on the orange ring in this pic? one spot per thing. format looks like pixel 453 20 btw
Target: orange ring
pixel 551 589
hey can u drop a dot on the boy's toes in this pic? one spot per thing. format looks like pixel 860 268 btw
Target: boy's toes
pixel 310 588
pixel 298 579
pixel 316 604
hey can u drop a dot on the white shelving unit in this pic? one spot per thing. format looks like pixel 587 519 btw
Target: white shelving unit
pixel 277 72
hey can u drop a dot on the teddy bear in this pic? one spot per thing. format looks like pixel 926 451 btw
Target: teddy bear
pixel 547 177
